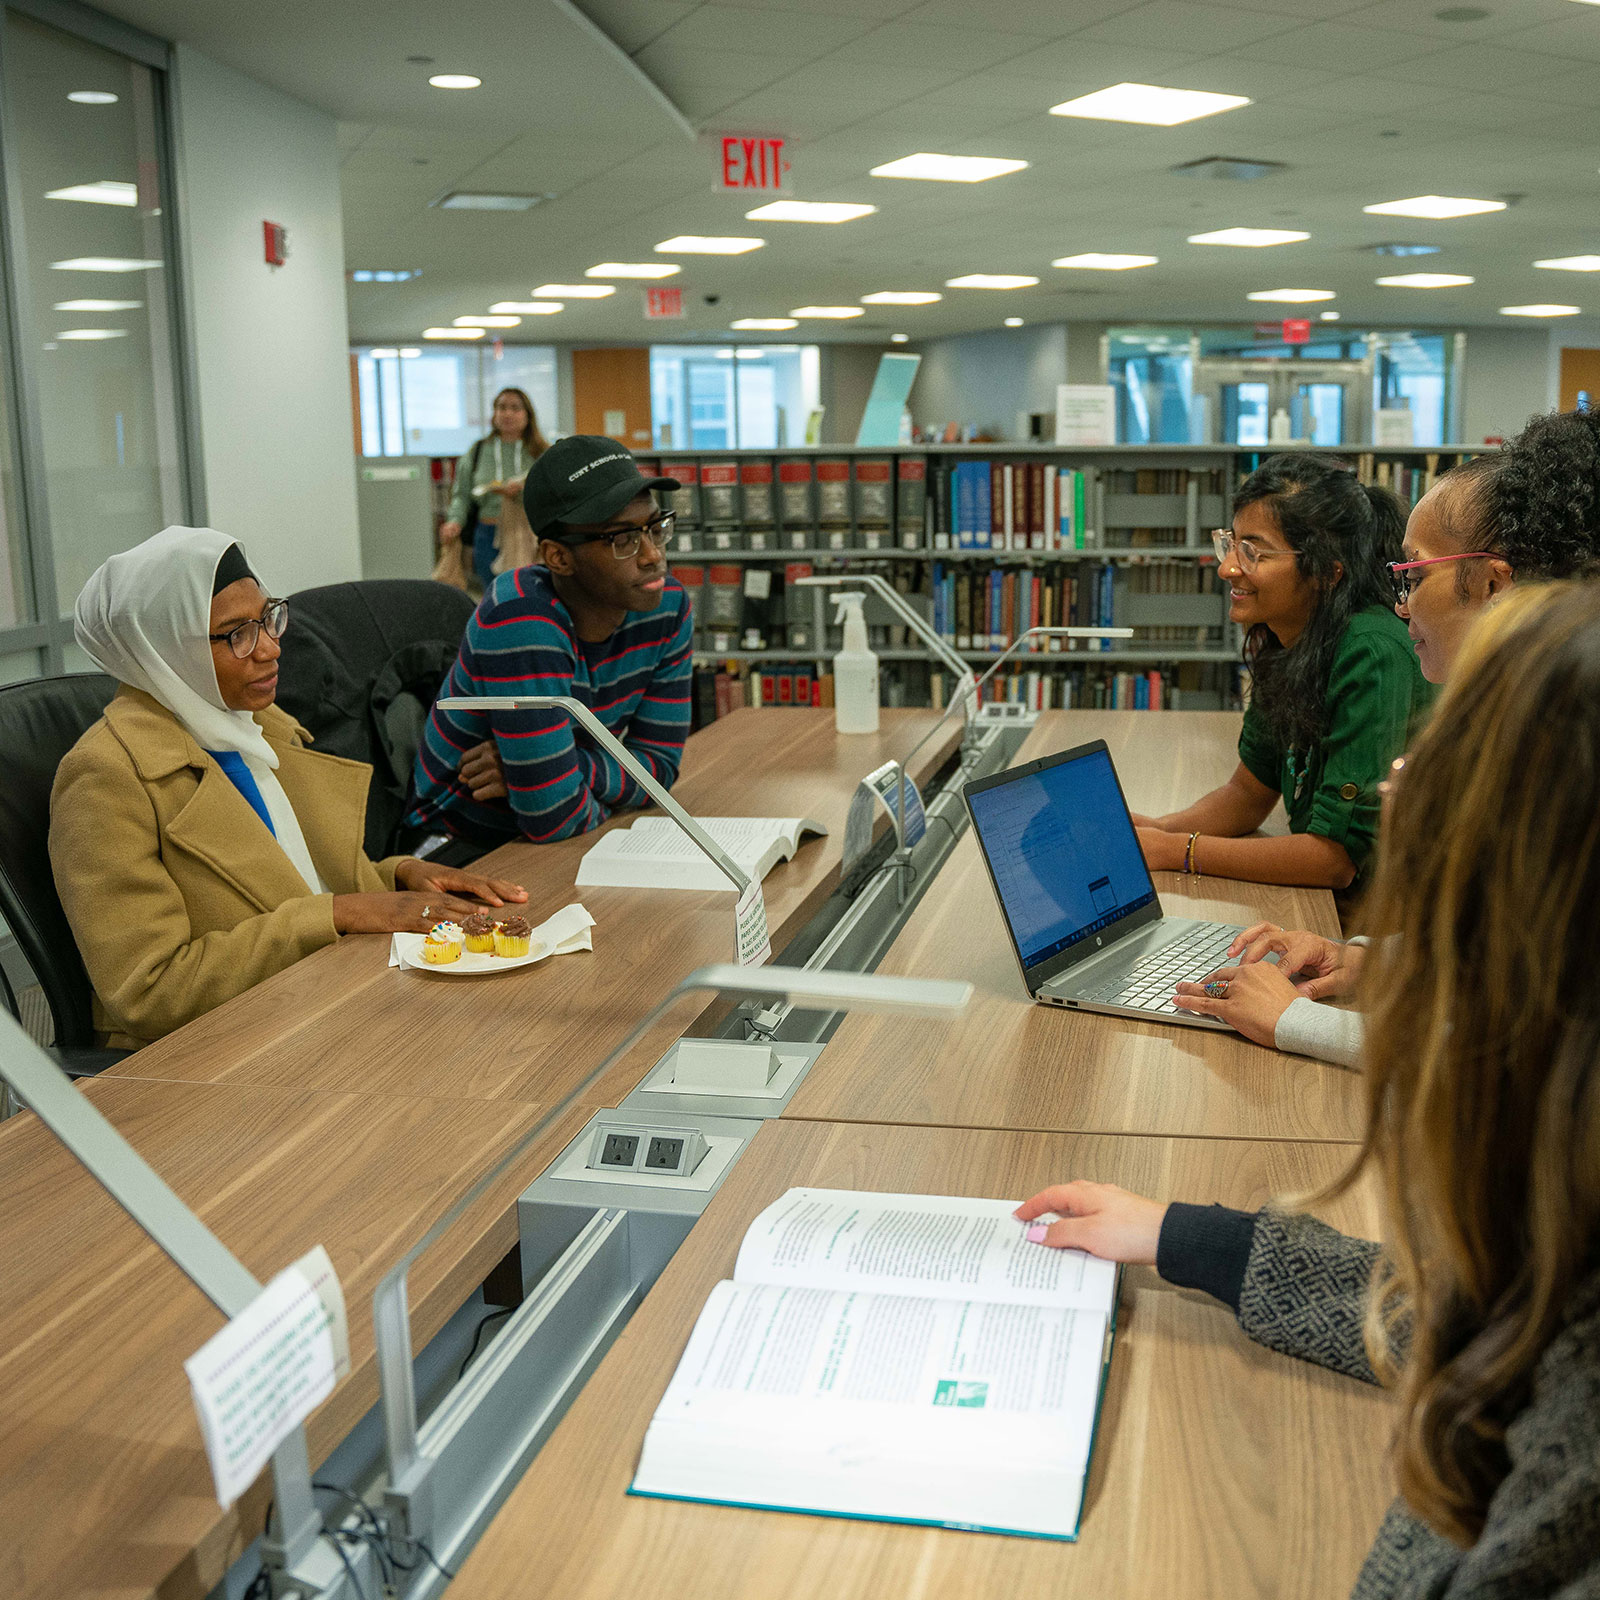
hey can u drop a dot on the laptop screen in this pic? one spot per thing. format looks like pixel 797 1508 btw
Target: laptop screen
pixel 1061 847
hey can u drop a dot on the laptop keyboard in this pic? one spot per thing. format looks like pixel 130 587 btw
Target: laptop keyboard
pixel 1148 985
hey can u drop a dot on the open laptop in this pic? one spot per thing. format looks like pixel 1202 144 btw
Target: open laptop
pixel 1084 920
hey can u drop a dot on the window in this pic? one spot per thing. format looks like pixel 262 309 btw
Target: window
pixel 416 401
pixel 750 397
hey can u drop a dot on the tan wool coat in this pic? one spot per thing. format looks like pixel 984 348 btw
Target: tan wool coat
pixel 177 892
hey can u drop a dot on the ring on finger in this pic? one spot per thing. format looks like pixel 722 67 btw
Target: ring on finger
pixel 1217 989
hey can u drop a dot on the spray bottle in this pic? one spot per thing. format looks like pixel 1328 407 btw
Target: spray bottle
pixel 855 671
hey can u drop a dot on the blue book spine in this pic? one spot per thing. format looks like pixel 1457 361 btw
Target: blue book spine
pixel 966 505
pixel 1107 579
pixel 983 527
pixel 1141 693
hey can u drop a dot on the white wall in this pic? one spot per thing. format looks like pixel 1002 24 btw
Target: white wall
pixel 1506 381
pixel 986 379
pixel 270 343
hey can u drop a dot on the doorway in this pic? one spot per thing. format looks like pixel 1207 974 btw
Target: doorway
pixel 1318 402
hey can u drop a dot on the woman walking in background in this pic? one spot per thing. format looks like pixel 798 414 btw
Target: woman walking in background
pixel 495 466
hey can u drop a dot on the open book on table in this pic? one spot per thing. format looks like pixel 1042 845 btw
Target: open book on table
pixel 655 853
pixel 902 1358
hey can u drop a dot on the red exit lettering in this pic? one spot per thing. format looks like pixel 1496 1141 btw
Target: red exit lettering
pixel 752 162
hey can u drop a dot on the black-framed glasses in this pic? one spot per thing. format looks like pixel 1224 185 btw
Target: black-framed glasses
pixel 243 638
pixel 625 541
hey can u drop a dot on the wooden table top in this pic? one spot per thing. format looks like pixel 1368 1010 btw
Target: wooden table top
pixel 1205 1479
pixel 105 1489
pixel 343 1020
pixel 1008 1063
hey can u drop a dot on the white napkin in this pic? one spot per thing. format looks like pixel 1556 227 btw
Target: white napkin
pixel 568 930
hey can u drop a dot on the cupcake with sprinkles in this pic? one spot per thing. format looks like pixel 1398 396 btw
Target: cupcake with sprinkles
pixel 443 944
pixel 512 937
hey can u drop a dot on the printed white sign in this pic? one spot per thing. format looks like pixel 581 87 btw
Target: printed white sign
pixel 1086 413
pixel 262 1375
pixel 751 939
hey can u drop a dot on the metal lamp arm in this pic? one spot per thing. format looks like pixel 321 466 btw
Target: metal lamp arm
pixel 896 602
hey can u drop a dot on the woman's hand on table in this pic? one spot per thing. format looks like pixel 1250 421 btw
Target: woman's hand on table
pixel 433 879
pixel 1320 968
pixel 397 912
pixel 1163 851
pixel 481 771
pixel 1251 999
pixel 1097 1217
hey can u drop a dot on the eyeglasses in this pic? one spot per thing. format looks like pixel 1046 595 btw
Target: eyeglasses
pixel 1246 552
pixel 1405 587
pixel 243 639
pixel 625 541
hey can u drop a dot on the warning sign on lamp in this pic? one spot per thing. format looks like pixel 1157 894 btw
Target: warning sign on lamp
pixel 660 303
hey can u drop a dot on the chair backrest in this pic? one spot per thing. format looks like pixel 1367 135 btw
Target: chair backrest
pixel 40 721
pixel 361 665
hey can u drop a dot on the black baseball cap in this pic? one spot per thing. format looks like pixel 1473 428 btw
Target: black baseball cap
pixel 584 478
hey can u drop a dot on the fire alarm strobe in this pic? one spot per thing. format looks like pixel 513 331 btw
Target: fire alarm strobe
pixel 276 237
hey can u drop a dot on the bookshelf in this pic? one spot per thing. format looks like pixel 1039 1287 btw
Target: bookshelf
pixel 987 539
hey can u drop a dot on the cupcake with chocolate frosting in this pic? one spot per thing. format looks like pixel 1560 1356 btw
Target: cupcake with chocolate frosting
pixel 512 937
pixel 479 929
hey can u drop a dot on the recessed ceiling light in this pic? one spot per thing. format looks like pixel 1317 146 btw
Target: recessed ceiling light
pixel 455 80
pixel 384 274
pixel 526 308
pixel 949 169
pixel 93 333
pixel 1435 206
pixel 1571 263
pixel 1013 322
pixel 749 355
pixel 384 355
pixel 1327 316
pixel 990 280
pixel 487 322
pixel 755 324
pixel 833 313
pixel 92 97
pixel 694 244
pixel 809 211
pixel 901 297
pixel 97 305
pixel 107 192
pixel 1540 311
pixel 1099 261
pixel 1147 102
pixel 1249 238
pixel 1424 280
pixel 573 291
pixel 1403 250
pixel 633 269
pixel 899 338
pixel 409 353
pixel 1292 297
pixel 452 333
pixel 103 264
pixel 476 200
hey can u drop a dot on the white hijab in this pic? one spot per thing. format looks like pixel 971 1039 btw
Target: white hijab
pixel 144 617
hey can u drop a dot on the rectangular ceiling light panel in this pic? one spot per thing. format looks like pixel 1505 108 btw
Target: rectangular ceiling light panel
pixel 695 244
pixel 107 192
pixel 1100 261
pixel 462 201
pixel 526 308
pixel 1148 103
pixel 1249 238
pixel 947 169
pixel 573 291
pixel 1437 207
pixel 633 269
pixel 809 211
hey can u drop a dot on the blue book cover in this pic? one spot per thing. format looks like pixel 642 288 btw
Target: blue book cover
pixel 966 505
pixel 983 526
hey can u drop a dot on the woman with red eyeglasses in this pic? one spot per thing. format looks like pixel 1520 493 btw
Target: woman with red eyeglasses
pixel 1527 512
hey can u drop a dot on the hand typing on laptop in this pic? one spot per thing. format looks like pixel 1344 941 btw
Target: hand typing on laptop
pixel 1323 969
pixel 1249 999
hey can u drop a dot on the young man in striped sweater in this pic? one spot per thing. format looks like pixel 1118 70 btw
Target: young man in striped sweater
pixel 602 621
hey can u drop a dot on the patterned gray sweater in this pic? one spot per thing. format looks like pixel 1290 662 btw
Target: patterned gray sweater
pixel 1300 1286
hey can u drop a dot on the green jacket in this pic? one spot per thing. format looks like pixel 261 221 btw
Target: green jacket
pixel 482 464
pixel 1376 694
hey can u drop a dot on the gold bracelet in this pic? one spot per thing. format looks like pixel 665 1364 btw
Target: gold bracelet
pixel 1188 855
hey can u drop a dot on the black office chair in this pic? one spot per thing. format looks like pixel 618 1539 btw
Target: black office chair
pixel 361 667
pixel 40 721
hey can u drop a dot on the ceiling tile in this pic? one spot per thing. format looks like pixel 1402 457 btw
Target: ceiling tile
pixel 1421 16
pixel 632 24
pixel 1044 18
pixel 1198 28
pixel 1337 41
pixel 1577 36
pixel 1071 66
pixel 1479 67
pixel 770 32
pixel 957 50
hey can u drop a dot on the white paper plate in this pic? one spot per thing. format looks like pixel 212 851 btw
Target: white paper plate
pixel 470 962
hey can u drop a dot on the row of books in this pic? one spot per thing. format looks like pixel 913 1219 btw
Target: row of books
pixel 1191 686
pixel 798 494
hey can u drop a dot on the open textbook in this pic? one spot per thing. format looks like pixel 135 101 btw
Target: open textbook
pixel 898 1357
pixel 655 853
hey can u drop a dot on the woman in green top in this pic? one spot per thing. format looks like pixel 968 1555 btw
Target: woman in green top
pixel 1335 682
pixel 496 464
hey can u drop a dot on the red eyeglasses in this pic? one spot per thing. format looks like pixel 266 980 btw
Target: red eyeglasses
pixel 1403 586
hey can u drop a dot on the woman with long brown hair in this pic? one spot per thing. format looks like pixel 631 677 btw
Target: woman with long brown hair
pixel 1481 1308
pixel 494 467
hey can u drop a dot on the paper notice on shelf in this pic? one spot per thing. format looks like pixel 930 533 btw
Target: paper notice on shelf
pixel 1086 413
pixel 263 1374
pixel 751 939
pixel 876 792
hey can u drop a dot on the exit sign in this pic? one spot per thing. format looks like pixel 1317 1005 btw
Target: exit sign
pixel 1297 330
pixel 752 161
pixel 660 303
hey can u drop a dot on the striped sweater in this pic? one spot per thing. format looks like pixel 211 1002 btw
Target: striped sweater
pixel 522 640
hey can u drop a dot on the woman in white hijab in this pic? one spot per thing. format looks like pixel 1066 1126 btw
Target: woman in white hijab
pixel 197 844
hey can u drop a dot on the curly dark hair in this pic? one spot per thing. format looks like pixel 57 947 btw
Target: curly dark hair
pixel 1330 519
pixel 1535 501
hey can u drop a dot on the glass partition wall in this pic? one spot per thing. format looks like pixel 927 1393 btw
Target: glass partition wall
pixel 92 456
